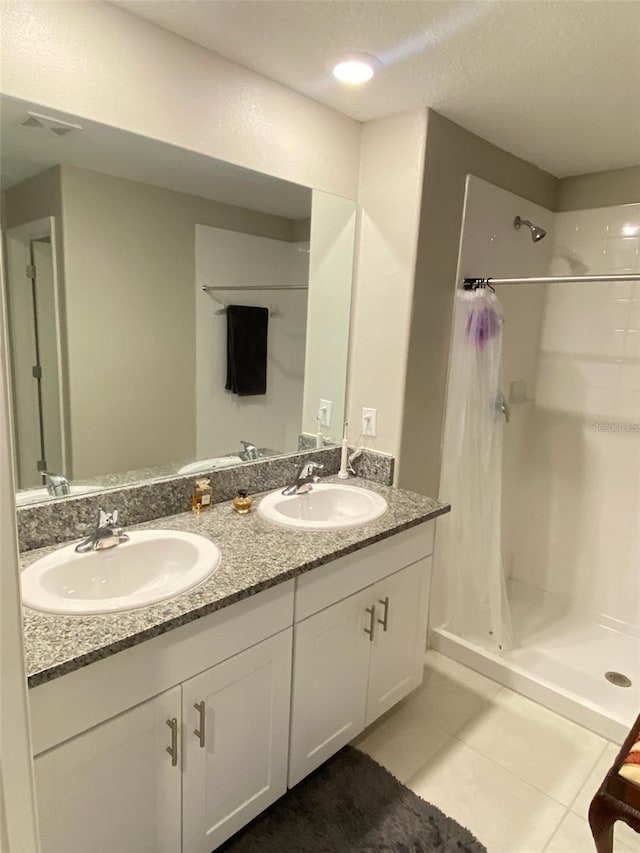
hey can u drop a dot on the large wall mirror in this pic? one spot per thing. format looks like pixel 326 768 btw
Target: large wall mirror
pixel 127 266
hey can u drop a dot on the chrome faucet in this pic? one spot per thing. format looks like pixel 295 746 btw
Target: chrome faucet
pixel 57 484
pixel 106 534
pixel 250 450
pixel 305 478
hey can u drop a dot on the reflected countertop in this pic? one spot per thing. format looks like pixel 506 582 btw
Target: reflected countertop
pixel 255 556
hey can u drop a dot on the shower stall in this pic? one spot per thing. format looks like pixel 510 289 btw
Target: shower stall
pixel 563 494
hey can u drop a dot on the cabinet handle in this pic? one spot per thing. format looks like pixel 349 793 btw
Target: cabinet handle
pixel 173 749
pixel 200 733
pixel 385 618
pixel 372 622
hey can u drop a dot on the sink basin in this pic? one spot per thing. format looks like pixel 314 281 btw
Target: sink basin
pixel 33 496
pixel 201 466
pixel 152 566
pixel 328 506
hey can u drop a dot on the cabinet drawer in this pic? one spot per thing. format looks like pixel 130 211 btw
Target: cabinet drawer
pixel 327 584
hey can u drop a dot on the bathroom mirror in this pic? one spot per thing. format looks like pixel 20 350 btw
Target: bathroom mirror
pixel 122 255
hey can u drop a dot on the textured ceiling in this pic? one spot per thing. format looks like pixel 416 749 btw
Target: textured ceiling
pixel 556 82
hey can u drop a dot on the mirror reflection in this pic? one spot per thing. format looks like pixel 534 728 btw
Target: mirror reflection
pixel 168 313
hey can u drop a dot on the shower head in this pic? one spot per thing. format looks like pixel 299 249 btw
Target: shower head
pixel 537 233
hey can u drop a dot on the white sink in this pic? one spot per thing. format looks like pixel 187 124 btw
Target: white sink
pixel 328 506
pixel 201 466
pixel 33 496
pixel 152 566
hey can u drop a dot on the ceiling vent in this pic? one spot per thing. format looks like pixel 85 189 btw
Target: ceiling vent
pixel 49 124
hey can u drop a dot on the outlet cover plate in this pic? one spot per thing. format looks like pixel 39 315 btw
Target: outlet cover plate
pixel 325 410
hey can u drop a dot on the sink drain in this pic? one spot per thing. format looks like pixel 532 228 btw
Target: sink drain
pixel 618 678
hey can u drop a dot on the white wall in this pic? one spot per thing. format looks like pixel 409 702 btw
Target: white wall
pixel 223 419
pixel 95 60
pixel 129 262
pixel 333 224
pixel 391 167
pixel 581 484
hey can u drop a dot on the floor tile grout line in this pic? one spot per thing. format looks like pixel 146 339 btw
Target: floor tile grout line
pixel 553 834
pixel 423 766
pixel 505 770
pixel 486 701
pixel 593 767
pixel 514 775
pixel 478 752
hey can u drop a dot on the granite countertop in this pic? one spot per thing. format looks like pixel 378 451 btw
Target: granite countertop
pixel 255 555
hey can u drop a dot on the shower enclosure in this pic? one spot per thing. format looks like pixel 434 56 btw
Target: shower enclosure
pixel 570 481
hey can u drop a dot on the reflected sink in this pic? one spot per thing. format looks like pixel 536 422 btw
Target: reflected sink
pixel 328 506
pixel 201 466
pixel 152 566
pixel 33 496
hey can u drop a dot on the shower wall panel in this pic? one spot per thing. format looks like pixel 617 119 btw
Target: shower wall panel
pixel 578 534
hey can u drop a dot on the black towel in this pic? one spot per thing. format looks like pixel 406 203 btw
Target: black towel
pixel 247 349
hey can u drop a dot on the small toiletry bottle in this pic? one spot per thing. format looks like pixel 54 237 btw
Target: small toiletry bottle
pixel 242 503
pixel 201 495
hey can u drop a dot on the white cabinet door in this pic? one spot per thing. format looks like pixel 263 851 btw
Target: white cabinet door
pixel 397 652
pixel 236 743
pixel 331 662
pixel 114 788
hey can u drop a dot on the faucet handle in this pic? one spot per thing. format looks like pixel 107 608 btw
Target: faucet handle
pixel 250 450
pixel 106 519
pixel 308 469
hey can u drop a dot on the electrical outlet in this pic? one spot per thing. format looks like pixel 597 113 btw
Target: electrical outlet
pixel 325 411
pixel 369 421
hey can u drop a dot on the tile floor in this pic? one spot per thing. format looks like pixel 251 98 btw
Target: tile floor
pixel 517 775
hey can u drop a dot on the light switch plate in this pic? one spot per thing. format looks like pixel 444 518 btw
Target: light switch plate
pixel 369 421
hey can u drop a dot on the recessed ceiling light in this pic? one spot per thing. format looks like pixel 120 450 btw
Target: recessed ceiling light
pixel 355 68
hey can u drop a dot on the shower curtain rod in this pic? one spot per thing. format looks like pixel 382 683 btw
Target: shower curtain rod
pixel 470 283
pixel 208 288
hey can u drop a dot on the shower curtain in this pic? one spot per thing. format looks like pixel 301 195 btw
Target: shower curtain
pixel 476 604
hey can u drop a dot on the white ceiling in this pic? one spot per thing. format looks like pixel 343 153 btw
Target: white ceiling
pixel 556 82
pixel 100 148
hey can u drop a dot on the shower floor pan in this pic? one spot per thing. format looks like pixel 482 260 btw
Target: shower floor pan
pixel 560 659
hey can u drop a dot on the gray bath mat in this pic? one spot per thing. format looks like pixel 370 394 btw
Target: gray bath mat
pixel 352 805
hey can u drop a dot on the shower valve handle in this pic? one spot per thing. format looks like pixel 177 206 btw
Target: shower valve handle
pixel 503 407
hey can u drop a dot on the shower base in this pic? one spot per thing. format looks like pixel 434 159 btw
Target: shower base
pixel 559 659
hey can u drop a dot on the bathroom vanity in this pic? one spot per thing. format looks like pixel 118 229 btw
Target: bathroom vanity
pixel 171 727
